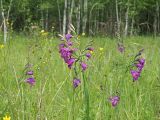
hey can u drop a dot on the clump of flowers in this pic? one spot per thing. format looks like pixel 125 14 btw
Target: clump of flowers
pixel 114 100
pixel 73 56
pixel 29 72
pixel 137 66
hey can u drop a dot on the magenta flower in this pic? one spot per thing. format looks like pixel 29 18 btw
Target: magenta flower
pixel 66 53
pixel 121 48
pixel 135 74
pixel 29 73
pixel 114 100
pixel 76 82
pixel 31 81
pixel 84 66
pixel 68 36
pixel 70 62
pixel 88 55
pixel 141 61
pixel 69 43
pixel 90 48
pixel 139 66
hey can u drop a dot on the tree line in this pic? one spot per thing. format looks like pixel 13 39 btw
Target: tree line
pixel 97 17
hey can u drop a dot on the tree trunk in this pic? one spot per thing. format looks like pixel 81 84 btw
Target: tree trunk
pixel 42 20
pixel 64 17
pixel 78 18
pixel 4 24
pixel 91 22
pixel 132 26
pixel 9 9
pixel 59 18
pixel 46 21
pixel 4 28
pixel 132 20
pixel 155 25
pixel 118 22
pixel 158 19
pixel 70 14
pixel 85 16
pixel 126 24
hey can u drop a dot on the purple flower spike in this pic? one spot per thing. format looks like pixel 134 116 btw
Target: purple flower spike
pixel 29 73
pixel 121 48
pixel 68 36
pixel 31 81
pixel 114 100
pixel 84 66
pixel 135 74
pixel 142 61
pixel 76 82
pixel 70 62
pixel 140 64
pixel 88 55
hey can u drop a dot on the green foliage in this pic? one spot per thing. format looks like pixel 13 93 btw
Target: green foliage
pixel 51 97
pixel 25 12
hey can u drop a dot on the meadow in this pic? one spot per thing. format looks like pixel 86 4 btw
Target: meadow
pixel 52 97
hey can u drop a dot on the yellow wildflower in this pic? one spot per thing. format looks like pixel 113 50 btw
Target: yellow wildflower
pixel 1 46
pixel 78 36
pixel 45 34
pixel 7 118
pixel 83 34
pixel 91 52
pixel 42 31
pixel 101 49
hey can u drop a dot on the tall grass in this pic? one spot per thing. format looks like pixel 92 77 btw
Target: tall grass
pixel 52 96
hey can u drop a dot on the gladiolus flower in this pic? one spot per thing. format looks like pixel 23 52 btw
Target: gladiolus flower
pixel 76 82
pixel 70 62
pixel 68 36
pixel 84 66
pixel 88 55
pixel 114 100
pixel 135 74
pixel 90 48
pixel 121 47
pixel 29 73
pixel 31 81
pixel 142 61
pixel 69 43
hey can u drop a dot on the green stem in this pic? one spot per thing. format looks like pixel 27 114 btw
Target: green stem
pixel 86 98
pixel 73 103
